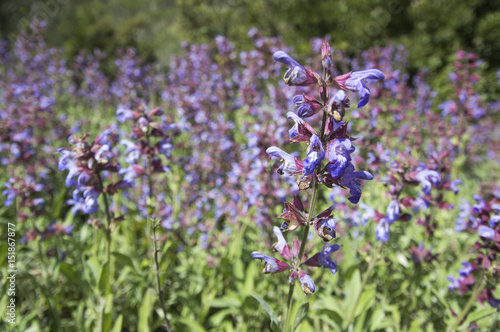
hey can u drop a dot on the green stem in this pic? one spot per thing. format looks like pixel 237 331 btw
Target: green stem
pixel 465 311
pixel 371 265
pixel 107 229
pixel 158 288
pixel 288 306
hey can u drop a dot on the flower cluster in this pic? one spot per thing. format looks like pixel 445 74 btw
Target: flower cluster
pixel 482 218
pixel 328 159
pixel 87 165
pixel 148 150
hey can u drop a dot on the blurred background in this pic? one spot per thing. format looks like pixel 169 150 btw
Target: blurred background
pixel 431 30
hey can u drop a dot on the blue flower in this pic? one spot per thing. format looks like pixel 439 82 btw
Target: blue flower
pixel 291 165
pixel 306 283
pixel 466 270
pixel 392 213
pixel 428 178
pixel 322 258
pixel 315 154
pixel 355 82
pixel 301 131
pixel 306 105
pixel 273 265
pixel 339 151
pixel 489 233
pixel 296 73
pixel 350 180
pixel 382 230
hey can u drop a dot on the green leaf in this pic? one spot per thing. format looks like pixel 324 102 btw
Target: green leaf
pixel 122 260
pixel 145 311
pixel 192 325
pixel 104 286
pixel 366 300
pixel 480 314
pixel 118 324
pixel 352 290
pixel 300 315
pixel 225 302
pixel 106 314
pixel 268 309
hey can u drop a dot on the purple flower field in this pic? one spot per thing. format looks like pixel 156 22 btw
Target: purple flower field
pixel 198 197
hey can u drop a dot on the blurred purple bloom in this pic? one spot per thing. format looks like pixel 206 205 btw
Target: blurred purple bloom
pixel 428 178
pixel 382 230
pixel 489 233
pixel 466 270
pixel 392 213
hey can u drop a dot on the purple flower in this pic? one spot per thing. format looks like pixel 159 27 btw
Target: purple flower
pixel 306 105
pixel 454 185
pixel 355 82
pixel 489 233
pixel 296 73
pixel 291 165
pixel 322 259
pixel 428 178
pixel 454 282
pixel 325 227
pixel 306 283
pixel 123 114
pixel 350 180
pixel 301 131
pixel 392 213
pixel 339 158
pixel 273 265
pixel 382 230
pixel 315 154
pixel 466 270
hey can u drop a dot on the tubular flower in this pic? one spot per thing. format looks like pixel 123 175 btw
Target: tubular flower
pixel 350 180
pixel 324 225
pixel 339 151
pixel 315 154
pixel 306 283
pixel 291 165
pixel 322 258
pixel 301 131
pixel 354 81
pixel 306 106
pixel 273 265
pixel 296 73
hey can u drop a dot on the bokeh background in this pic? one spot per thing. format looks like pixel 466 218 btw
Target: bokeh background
pixel 74 67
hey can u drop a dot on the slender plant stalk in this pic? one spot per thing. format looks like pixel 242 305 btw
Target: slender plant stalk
pixel 469 304
pixel 153 225
pixel 107 229
pixel 312 208
pixel 371 265
pixel 158 288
